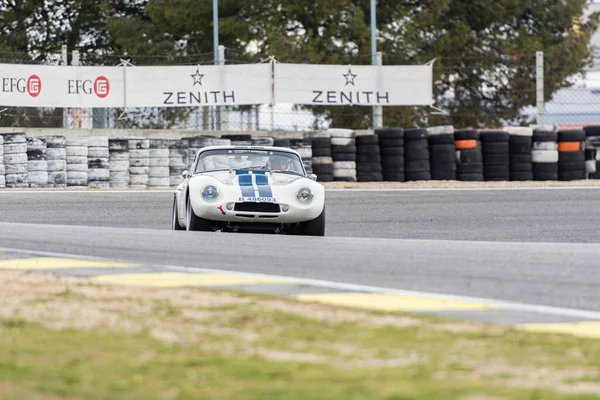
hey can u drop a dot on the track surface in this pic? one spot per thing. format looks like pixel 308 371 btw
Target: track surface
pixel 566 215
pixel 555 274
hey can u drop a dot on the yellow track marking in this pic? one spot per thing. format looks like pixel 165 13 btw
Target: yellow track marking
pixel 390 302
pixel 178 279
pixel 59 263
pixel 588 329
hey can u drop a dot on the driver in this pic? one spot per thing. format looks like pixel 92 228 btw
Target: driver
pixel 281 163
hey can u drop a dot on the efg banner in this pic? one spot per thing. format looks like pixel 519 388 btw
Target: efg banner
pixel 61 86
pixel 338 85
pixel 203 85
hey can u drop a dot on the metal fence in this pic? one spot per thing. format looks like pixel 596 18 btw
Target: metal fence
pixel 577 105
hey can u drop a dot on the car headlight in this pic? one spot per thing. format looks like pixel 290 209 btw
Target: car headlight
pixel 304 195
pixel 210 192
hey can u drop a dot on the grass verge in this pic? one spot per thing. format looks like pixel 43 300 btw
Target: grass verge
pixel 64 338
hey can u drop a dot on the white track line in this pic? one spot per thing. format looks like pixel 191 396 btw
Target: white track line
pixel 500 304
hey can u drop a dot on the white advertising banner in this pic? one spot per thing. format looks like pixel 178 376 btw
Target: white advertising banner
pixel 61 86
pixel 203 85
pixel 332 85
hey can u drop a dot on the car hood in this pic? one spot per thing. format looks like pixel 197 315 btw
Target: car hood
pixel 235 177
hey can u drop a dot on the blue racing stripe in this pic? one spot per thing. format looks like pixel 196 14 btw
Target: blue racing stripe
pixel 245 182
pixel 264 189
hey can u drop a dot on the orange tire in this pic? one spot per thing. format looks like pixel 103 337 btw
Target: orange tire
pixel 465 144
pixel 569 146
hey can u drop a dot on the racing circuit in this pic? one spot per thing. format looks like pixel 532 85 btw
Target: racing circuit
pixel 534 248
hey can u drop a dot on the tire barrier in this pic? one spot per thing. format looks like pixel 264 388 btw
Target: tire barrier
pixel 178 160
pixel 263 141
pixel 496 155
pixel 37 162
pixel 56 155
pixel 468 155
pixel 196 143
pixel 77 161
pixel 139 163
pixel 304 148
pixel 571 155
pixel 368 159
pixel 239 139
pixel 592 158
pixel 442 153
pixel 544 154
pixel 2 167
pixel 343 154
pixel 98 167
pixel 118 163
pixel 322 162
pixel 391 150
pixel 15 160
pixel 158 171
pixel 416 155
pixel 519 144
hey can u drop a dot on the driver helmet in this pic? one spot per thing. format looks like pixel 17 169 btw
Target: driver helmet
pixel 281 163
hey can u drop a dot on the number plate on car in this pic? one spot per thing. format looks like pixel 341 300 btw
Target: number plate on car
pixel 258 199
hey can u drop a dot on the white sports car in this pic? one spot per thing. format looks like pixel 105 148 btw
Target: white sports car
pixel 250 189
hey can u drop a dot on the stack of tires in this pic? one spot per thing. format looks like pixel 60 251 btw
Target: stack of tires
pixel 37 162
pixel 391 150
pixel 282 142
pixel 496 155
pixel 304 148
pixel 98 167
pixel 57 161
pixel 198 142
pixel 322 163
pixel 139 162
pixel 442 153
pixel 571 155
pixel 15 160
pixel 468 155
pixel 2 167
pixel 158 172
pixel 343 154
pixel 178 161
pixel 544 154
pixel 416 155
pixel 521 166
pixel 592 156
pixel 263 141
pixel 368 159
pixel 118 163
pixel 77 161
pixel 239 139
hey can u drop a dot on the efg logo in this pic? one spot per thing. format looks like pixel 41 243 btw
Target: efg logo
pixel 34 85
pixel 101 87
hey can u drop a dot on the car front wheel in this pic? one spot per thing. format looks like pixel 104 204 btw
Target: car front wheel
pixel 195 223
pixel 175 215
pixel 314 227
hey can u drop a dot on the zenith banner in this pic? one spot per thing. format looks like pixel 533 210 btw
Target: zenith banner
pixel 60 86
pixel 338 85
pixel 193 86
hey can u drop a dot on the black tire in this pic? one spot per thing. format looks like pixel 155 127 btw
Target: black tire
pixel 564 156
pixel 495 148
pixel 367 139
pixel 393 177
pixel 572 175
pixel 392 151
pixel 368 168
pixel 494 136
pixel 496 159
pixel 389 133
pixel 415 134
pixel 314 227
pixel 237 137
pixel 281 143
pixel 392 160
pixel 444 157
pixel 326 169
pixel 521 167
pixel 519 148
pixel 443 175
pixel 571 135
pixel 343 149
pixel 521 175
pixel 297 142
pixel 544 136
pixel 367 149
pixel 417 176
pixel 321 152
pixel 416 145
pixel 592 130
pixel 369 177
pixel 471 168
pixel 368 158
pixel 470 156
pixel 571 165
pixel 343 156
pixel 324 177
pixel 441 139
pixel 175 217
pixel 520 158
pixel 415 155
pixel 470 177
pixel 520 140
pixel 195 223
pixel 466 134
pixel 391 143
pixel 319 143
pixel 417 166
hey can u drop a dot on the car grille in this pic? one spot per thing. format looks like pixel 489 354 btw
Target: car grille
pixel 257 207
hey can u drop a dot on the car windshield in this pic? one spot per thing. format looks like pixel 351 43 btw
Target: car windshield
pixel 249 159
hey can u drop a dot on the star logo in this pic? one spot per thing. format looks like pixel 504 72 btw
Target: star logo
pixel 197 77
pixel 349 77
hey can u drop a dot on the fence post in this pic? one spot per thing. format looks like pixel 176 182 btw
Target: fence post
pixel 64 61
pixel 221 115
pixel 539 86
pixel 78 111
pixel 379 109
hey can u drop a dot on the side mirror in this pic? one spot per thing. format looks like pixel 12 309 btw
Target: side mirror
pixel 313 177
pixel 184 174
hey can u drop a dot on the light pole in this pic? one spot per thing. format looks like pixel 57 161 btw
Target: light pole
pixel 216 54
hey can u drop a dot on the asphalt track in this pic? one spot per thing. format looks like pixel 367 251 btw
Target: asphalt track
pixel 470 248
